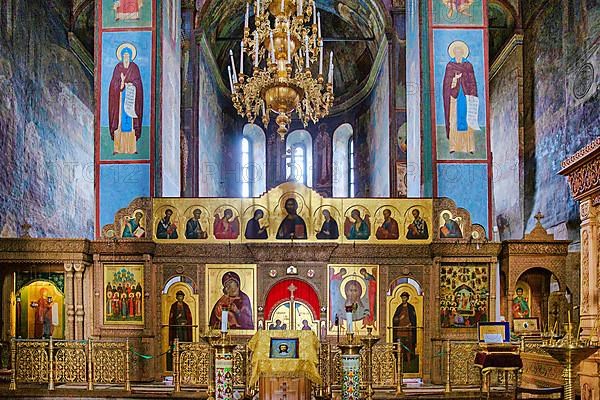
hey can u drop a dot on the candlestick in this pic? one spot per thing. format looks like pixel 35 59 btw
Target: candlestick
pixel 289 49
pixel 307 61
pixel 321 58
pixel 242 57
pixel 319 23
pixel 247 15
pixel 256 49
pixel 233 66
pixel 272 47
pixel 349 321
pixel 224 319
pixel 230 79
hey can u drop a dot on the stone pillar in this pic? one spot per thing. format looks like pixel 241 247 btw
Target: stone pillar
pixel 589 266
pixel 70 323
pixel 79 307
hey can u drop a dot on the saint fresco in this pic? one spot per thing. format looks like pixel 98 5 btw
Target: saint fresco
pixel 293 225
pixel 134 225
pixel 388 230
pixel 357 227
pixel 226 226
pixel 256 227
pixel 450 227
pixel 126 13
pixel 417 228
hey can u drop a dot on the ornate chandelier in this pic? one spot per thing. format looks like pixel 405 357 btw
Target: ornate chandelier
pixel 283 46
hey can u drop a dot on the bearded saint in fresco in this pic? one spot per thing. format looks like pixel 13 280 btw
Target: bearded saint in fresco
pixel 127 9
pixel 461 104
pixel 125 102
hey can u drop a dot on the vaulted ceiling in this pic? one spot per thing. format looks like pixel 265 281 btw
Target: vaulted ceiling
pixel 352 29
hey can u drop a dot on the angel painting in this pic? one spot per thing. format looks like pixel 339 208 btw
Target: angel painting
pixel 360 229
pixel 227 227
pixel 458 6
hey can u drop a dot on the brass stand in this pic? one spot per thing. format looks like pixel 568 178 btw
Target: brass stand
pixel 13 364
pixel 448 386
pixel 399 369
pixel 350 368
pixel 369 341
pixel 51 364
pixel 223 369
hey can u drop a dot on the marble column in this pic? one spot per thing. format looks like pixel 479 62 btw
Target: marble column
pixel 70 308
pixel 79 307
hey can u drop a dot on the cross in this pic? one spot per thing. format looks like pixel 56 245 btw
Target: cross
pixel 538 217
pixel 292 288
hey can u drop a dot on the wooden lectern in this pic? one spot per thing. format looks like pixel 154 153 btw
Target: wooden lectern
pixel 286 373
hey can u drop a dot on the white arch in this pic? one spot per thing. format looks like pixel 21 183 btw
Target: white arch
pixel 256 171
pixel 302 137
pixel 341 170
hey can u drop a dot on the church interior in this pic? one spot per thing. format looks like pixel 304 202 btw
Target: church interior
pixel 300 199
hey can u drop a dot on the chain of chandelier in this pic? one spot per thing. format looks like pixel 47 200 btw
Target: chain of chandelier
pixel 285 46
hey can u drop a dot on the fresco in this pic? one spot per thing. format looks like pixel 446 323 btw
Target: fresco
pixel 453 181
pixel 464 295
pixel 457 12
pixel 356 286
pixel 125 96
pixel 459 92
pixel 210 131
pixel 378 137
pixel 119 184
pixel 170 94
pixel 124 294
pixel 231 287
pixel 126 13
pixel 46 126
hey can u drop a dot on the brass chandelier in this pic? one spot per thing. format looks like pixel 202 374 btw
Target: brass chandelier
pixel 284 46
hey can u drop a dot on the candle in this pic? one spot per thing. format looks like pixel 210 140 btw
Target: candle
pixel 321 58
pixel 255 49
pixel 349 320
pixel 224 319
pixel 247 15
pixel 257 8
pixel 330 77
pixel 262 103
pixel 319 23
pixel 233 66
pixel 282 6
pixel 242 57
pixel 314 12
pixel 306 60
pixel 289 47
pixel 272 47
pixel 230 79
pixel 299 7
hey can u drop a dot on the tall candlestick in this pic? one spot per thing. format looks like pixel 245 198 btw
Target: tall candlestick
pixel 256 49
pixel 247 15
pixel 272 47
pixel 321 58
pixel 306 61
pixel 233 66
pixel 289 48
pixel 224 319
pixel 314 12
pixel 230 79
pixel 242 57
pixel 319 23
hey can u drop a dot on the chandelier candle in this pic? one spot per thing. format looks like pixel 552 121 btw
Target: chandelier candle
pixel 242 57
pixel 235 79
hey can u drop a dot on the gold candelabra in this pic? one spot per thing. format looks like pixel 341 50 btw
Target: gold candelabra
pixel 284 46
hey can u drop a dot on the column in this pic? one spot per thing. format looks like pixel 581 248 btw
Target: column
pixel 78 301
pixel 70 325
pixel 224 369
pixel 458 112
pixel 589 266
pixel 350 360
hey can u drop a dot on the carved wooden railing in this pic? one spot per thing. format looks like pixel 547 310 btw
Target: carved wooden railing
pixel 90 362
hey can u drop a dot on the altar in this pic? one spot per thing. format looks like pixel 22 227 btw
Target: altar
pixel 284 363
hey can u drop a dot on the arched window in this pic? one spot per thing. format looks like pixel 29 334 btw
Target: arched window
pixel 253 161
pixel 343 162
pixel 299 157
